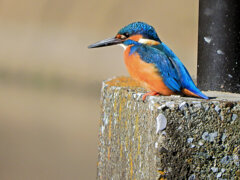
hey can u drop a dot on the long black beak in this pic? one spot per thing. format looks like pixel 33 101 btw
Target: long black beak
pixel 106 42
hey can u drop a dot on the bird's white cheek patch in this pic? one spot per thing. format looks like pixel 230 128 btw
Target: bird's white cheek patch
pixel 124 47
pixel 148 41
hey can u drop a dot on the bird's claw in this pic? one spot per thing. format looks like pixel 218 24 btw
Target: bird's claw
pixel 152 93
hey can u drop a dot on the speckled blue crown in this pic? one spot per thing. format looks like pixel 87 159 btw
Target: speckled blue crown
pixel 140 28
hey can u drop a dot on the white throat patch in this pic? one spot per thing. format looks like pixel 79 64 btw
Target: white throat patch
pixel 148 41
pixel 124 47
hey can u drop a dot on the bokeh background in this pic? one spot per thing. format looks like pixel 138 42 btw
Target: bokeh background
pixel 50 82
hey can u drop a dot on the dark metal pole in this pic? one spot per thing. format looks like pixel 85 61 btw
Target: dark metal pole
pixel 219 45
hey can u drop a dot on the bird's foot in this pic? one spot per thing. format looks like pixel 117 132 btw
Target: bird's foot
pixel 152 93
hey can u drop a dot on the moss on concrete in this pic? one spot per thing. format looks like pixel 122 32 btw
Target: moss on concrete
pixel 167 137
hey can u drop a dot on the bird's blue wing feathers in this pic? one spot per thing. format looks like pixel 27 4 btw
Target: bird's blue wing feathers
pixel 162 63
pixel 185 79
pixel 172 70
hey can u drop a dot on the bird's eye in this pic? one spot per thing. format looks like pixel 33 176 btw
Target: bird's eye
pixel 126 35
pixel 122 36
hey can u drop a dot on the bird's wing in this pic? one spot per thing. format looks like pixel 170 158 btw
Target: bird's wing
pixel 164 65
pixel 183 75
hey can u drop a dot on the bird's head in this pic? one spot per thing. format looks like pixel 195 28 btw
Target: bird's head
pixel 135 32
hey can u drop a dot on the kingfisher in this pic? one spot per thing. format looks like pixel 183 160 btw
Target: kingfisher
pixel 151 62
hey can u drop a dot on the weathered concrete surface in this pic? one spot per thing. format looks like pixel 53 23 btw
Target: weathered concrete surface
pixel 167 137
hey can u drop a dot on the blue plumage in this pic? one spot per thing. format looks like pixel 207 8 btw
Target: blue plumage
pixel 160 60
pixel 184 76
pixel 140 28
pixel 172 70
pixel 143 40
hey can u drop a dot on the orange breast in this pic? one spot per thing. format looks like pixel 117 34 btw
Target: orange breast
pixel 146 73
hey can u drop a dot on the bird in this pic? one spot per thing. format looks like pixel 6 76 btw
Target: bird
pixel 151 62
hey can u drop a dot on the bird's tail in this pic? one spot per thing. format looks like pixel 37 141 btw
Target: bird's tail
pixel 194 92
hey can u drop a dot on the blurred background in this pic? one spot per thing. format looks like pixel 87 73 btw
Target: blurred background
pixel 50 82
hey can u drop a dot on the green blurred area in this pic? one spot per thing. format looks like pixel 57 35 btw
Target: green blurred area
pixel 50 82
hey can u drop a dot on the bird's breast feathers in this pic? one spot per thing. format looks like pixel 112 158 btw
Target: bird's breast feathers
pixel 146 73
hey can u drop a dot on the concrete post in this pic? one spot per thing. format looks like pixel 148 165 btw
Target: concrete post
pixel 167 137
